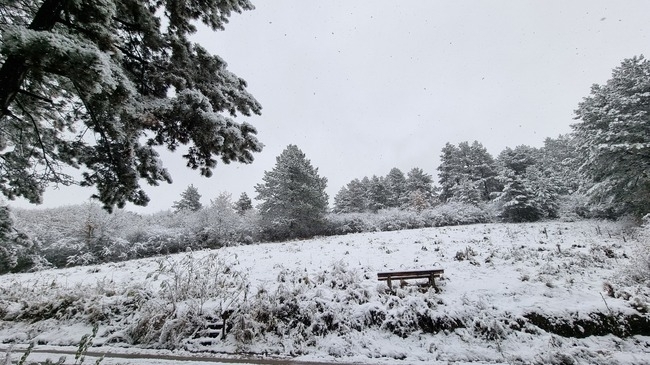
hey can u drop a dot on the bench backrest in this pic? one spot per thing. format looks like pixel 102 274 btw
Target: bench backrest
pixel 410 274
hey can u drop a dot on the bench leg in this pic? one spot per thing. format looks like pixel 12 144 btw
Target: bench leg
pixel 389 283
pixel 432 282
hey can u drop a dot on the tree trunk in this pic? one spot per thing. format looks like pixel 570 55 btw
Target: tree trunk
pixel 14 70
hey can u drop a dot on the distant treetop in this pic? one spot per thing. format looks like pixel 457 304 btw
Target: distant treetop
pixel 190 200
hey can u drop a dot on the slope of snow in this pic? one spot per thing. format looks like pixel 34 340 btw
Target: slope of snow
pixel 495 275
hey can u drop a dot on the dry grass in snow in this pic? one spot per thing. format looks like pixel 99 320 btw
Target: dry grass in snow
pixel 511 293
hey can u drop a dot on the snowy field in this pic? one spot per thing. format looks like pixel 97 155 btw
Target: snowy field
pixel 542 293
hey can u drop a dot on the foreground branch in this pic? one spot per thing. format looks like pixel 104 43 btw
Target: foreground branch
pixel 14 70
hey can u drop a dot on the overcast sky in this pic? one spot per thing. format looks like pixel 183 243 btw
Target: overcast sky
pixel 365 86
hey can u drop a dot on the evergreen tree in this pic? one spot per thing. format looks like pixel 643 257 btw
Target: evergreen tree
pixel 294 201
pixel 377 194
pixel 351 198
pixel 190 200
pixel 6 223
pixel 483 171
pixel 546 191
pixel 560 163
pixel 8 250
pixel 467 173
pixel 341 200
pixel 518 159
pixel 519 204
pixel 358 192
pixel 365 190
pixel 395 183
pixel 529 192
pixel 244 204
pixel 466 190
pixel 613 138
pixel 420 190
pixel 87 84
pixel 449 171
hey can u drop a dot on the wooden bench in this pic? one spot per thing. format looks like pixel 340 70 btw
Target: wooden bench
pixel 413 274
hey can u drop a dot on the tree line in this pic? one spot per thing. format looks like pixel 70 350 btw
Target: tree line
pixel 522 184
pixel 525 183
pixel 599 170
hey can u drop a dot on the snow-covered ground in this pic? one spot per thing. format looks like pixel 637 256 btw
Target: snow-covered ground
pixel 506 289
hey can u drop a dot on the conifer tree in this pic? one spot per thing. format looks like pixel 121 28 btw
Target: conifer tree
pixel 346 201
pixel 518 159
pixel 190 200
pixel 449 171
pixel 483 171
pixel 560 162
pixel 519 204
pixel 341 201
pixel 6 223
pixel 466 190
pixel 420 189
pixel 613 138
pixel 358 192
pixel 351 198
pixel 377 194
pixel 395 183
pixel 294 201
pixel 467 173
pixel 546 191
pixel 244 204
pixel 8 251
pixel 365 189
pixel 87 84
pixel 529 193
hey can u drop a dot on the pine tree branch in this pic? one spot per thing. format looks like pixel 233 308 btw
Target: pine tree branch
pixel 128 24
pixel 48 164
pixel 644 155
pixel 14 70
pixel 35 96
pixel 121 48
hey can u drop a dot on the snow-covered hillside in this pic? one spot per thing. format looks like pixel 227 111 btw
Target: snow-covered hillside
pixel 539 293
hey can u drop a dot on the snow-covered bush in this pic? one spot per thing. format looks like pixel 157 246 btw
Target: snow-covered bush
pixel 156 240
pixel 304 309
pixel 86 234
pixel 193 291
pixel 86 231
pixel 345 223
pixel 17 252
pixel 384 220
pixel 454 213
pixel 408 313
pixel 448 214
pixel 639 269
pixel 222 225
pixel 579 206
pixel 573 207
pixel 397 219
